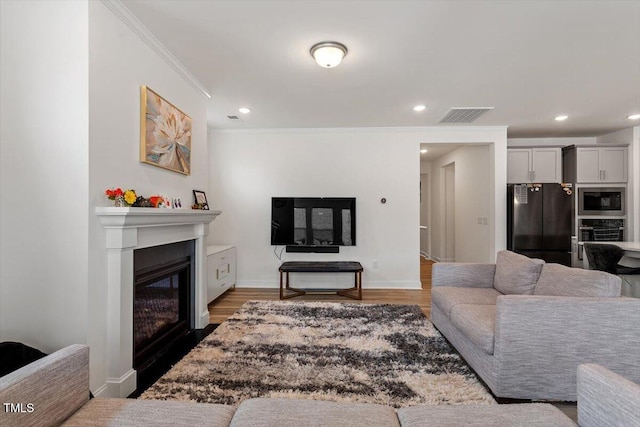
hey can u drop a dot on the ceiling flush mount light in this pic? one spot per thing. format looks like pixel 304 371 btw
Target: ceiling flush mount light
pixel 424 150
pixel 244 110
pixel 328 54
pixel 419 108
pixel 560 118
pixel 634 117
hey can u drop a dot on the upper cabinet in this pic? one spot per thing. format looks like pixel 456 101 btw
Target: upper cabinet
pixel 539 165
pixel 595 164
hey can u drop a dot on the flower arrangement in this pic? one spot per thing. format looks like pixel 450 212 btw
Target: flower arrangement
pixel 121 198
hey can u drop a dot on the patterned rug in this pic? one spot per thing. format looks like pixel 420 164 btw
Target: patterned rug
pixel 375 353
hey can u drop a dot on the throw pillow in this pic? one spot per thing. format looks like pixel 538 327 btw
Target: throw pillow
pixel 559 280
pixel 516 274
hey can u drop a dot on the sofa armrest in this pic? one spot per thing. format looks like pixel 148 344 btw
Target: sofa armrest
pixel 553 335
pixel 606 398
pixel 468 275
pixel 47 391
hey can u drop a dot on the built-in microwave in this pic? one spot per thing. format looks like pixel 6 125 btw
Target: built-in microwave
pixel 601 201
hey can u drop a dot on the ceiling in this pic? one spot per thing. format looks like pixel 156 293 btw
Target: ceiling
pixel 531 60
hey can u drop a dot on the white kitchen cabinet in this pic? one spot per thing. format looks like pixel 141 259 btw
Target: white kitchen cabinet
pixel 539 165
pixel 601 164
pixel 221 270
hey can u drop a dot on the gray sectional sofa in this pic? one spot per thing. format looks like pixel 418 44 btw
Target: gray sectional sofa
pixel 524 325
pixel 55 391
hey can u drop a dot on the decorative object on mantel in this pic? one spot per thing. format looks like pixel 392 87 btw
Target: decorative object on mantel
pixel 141 202
pixel 121 198
pixel 201 200
pixel 165 133
pixel 130 198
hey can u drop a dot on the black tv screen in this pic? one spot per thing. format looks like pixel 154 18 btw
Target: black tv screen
pixel 313 221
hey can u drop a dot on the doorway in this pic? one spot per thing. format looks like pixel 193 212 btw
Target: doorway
pixel 425 203
pixel 455 181
pixel 450 212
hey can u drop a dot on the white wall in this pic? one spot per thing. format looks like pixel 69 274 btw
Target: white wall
pixel 70 84
pixel 44 173
pixel 250 167
pixel 473 195
pixel 119 63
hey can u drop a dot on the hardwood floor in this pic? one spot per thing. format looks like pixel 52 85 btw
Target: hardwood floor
pixel 230 301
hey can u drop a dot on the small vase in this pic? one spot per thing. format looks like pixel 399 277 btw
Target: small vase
pixel 119 202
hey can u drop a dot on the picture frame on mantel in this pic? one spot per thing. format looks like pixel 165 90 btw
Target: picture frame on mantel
pixel 200 200
pixel 165 133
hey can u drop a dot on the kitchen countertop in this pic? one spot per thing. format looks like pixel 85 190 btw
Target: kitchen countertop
pixel 630 246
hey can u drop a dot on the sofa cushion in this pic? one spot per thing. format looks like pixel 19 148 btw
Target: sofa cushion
pixel 170 413
pixel 477 323
pixel 447 297
pixel 515 273
pixel 559 280
pixel 520 414
pixel 299 412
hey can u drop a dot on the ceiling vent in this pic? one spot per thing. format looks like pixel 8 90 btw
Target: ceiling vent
pixel 464 115
pixel 233 117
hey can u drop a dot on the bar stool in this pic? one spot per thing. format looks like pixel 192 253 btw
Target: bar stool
pixel 605 257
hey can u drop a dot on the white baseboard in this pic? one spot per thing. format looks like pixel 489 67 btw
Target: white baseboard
pixel 438 259
pixel 203 320
pixel 123 386
pixel 101 391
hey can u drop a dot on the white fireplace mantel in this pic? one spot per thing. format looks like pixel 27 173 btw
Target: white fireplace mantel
pixel 128 229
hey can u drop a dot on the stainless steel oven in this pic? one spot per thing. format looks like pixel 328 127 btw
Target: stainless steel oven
pixel 609 201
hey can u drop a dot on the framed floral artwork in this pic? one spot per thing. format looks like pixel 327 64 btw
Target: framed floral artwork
pixel 165 133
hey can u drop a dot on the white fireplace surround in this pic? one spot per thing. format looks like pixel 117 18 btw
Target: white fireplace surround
pixel 128 229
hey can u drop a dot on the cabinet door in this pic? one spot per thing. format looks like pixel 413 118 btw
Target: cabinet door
pixel 518 166
pixel 212 283
pixel 230 280
pixel 588 165
pixel 547 165
pixel 613 163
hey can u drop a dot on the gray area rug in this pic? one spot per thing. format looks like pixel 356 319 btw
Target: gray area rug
pixel 374 353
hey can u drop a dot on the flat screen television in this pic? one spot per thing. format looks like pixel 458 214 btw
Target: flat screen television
pixel 313 221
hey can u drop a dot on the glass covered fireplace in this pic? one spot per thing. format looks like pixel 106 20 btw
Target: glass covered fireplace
pixel 163 283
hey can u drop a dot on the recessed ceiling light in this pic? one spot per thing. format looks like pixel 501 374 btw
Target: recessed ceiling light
pixel 244 110
pixel 424 150
pixel 560 118
pixel 634 117
pixel 419 108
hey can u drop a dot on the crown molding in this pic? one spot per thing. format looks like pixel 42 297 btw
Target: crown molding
pixel 131 21
pixel 374 130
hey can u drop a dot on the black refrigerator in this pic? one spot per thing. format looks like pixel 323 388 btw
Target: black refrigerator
pixel 540 221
